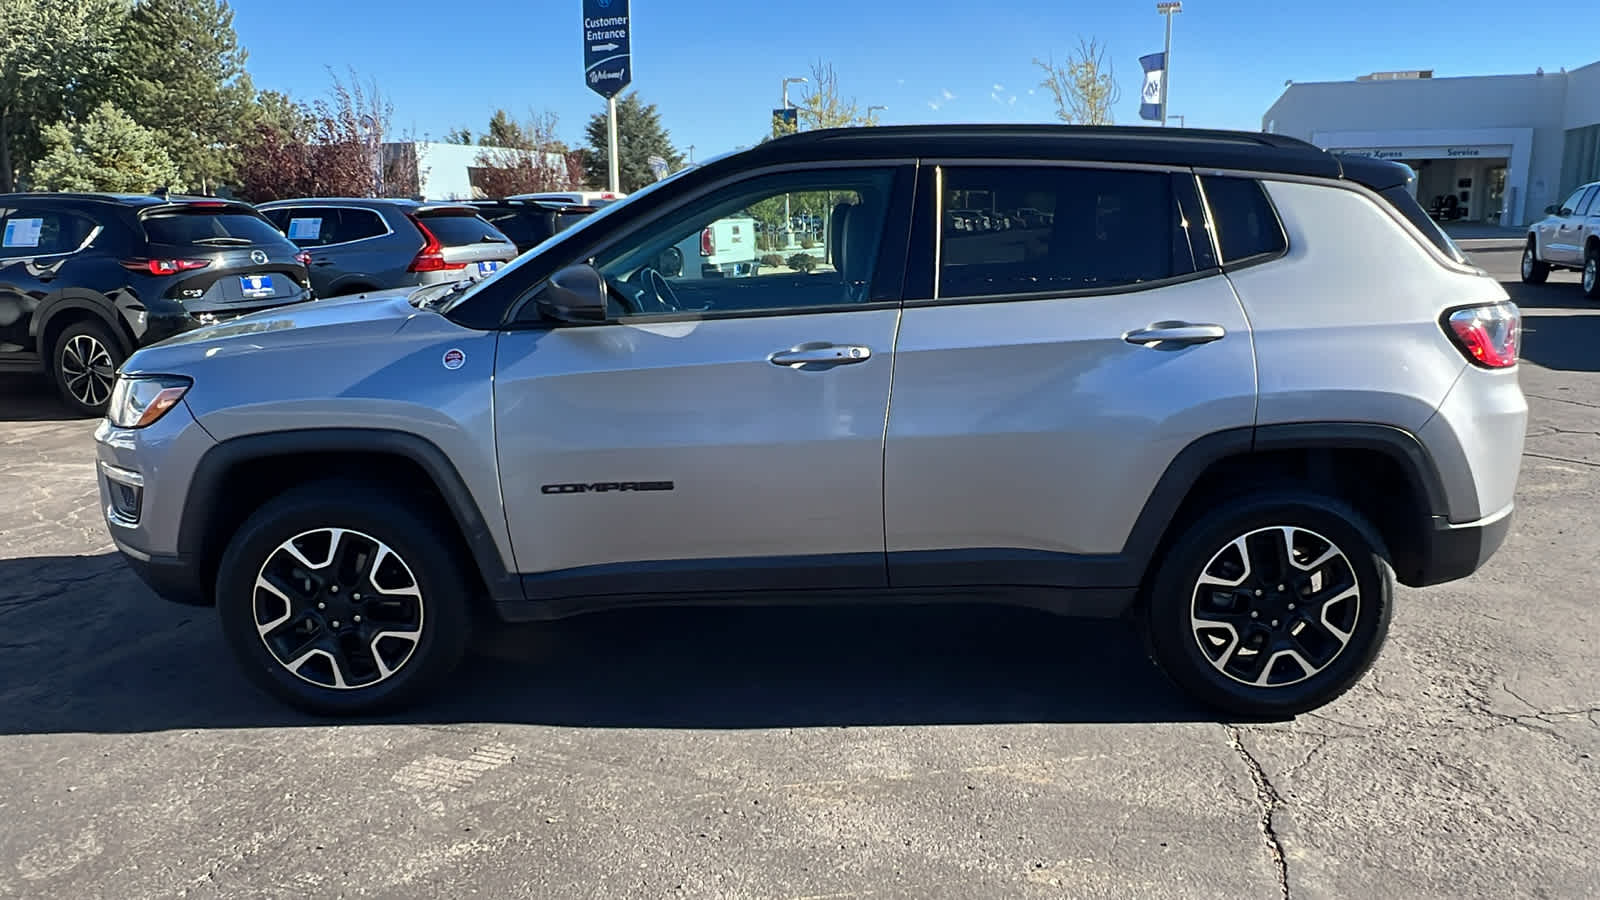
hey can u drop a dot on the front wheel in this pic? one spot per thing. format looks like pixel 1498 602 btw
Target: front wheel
pixel 1271 606
pixel 1533 270
pixel 339 600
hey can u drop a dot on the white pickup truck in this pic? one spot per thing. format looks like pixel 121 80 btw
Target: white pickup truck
pixel 724 249
pixel 1568 237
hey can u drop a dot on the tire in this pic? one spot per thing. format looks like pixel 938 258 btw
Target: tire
pixel 350 640
pixel 1534 270
pixel 1184 644
pixel 1591 272
pixel 83 365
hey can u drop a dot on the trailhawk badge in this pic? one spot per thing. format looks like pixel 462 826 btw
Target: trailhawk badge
pixel 454 359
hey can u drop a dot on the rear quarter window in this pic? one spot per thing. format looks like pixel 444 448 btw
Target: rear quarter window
pixel 1408 206
pixel 456 230
pixel 1243 221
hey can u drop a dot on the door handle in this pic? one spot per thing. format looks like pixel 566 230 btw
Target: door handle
pixel 821 352
pixel 1180 333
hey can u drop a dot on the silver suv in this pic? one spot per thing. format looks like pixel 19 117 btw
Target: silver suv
pixel 1226 384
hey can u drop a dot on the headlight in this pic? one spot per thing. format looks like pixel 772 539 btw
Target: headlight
pixel 143 399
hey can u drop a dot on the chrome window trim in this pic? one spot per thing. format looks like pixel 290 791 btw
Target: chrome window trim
pixel 336 206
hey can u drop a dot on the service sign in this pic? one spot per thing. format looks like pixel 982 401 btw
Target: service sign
pixel 607 50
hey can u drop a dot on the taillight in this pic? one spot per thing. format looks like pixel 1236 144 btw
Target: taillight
pixel 708 242
pixel 303 258
pixel 431 257
pixel 164 266
pixel 1488 335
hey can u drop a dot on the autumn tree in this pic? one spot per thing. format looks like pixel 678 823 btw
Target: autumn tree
pixel 640 136
pixel 525 157
pixel 108 151
pixel 1085 88
pixel 328 147
pixel 50 54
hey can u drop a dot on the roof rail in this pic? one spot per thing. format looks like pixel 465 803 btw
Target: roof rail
pixel 1122 132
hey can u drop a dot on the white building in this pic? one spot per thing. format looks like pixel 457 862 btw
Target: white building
pixel 444 172
pixel 1504 146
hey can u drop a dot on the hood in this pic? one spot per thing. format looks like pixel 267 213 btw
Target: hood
pixel 345 321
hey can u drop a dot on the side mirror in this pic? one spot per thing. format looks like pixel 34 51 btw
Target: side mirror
pixel 574 294
pixel 1551 209
pixel 1564 211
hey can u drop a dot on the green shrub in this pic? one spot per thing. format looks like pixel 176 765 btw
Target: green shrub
pixel 802 262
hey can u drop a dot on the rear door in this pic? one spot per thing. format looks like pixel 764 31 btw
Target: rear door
pixel 36 242
pixel 1057 368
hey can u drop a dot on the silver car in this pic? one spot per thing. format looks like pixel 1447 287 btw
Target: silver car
pixel 359 245
pixel 1235 391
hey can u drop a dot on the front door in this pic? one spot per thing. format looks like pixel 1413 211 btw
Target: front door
pixel 1065 361
pixel 1566 231
pixel 719 433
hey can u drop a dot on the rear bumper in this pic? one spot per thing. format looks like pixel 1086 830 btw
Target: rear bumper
pixel 1456 551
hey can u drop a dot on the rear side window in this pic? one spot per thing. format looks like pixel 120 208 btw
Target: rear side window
pixel 203 226
pixel 457 230
pixel 1408 206
pixel 522 226
pixel 1017 229
pixel 1242 218
pixel 41 232
pixel 359 224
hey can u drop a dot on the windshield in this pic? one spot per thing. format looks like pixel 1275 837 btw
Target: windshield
pixel 562 235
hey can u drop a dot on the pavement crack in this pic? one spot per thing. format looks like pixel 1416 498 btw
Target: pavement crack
pixel 1268 800
pixel 1565 459
pixel 1563 400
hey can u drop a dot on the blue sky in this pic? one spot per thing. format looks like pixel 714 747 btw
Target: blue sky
pixel 714 67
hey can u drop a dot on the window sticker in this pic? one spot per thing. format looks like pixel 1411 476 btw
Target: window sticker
pixel 305 229
pixel 22 233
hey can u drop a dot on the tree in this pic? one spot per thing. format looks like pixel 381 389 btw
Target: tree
pixel 821 106
pixel 525 157
pixel 329 147
pixel 49 53
pixel 1085 89
pixel 178 69
pixel 461 136
pixel 640 135
pixel 108 151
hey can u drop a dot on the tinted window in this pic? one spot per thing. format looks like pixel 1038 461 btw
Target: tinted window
pixel 203 226
pixel 356 224
pixel 1401 200
pixel 817 245
pixel 1016 230
pixel 38 232
pixel 524 226
pixel 1242 218
pixel 456 230
pixel 1585 206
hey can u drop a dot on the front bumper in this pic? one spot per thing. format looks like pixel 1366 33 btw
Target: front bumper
pixel 1453 552
pixel 171 577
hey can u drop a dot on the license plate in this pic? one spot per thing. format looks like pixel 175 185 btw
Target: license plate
pixel 489 267
pixel 257 286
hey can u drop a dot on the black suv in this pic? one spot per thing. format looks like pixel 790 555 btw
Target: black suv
pixel 530 222
pixel 85 279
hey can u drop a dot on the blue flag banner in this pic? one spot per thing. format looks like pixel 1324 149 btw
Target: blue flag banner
pixel 1155 70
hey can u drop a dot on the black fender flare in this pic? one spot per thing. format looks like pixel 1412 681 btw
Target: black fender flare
pixel 208 488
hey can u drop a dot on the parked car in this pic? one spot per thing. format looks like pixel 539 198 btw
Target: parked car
pixel 575 198
pixel 360 245
pixel 1246 388
pixel 529 222
pixel 87 278
pixel 1568 237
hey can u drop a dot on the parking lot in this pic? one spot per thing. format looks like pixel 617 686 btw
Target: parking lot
pixel 938 752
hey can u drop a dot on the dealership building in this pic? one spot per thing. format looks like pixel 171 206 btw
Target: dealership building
pixel 1494 149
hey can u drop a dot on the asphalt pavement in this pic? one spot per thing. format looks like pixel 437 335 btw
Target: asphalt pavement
pixel 783 753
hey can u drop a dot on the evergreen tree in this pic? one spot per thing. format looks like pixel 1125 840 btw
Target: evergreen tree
pixel 639 136
pixel 108 151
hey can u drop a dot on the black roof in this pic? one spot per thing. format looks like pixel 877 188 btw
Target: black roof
pixel 1196 147
pixel 137 201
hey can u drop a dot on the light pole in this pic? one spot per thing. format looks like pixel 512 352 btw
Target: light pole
pixel 1179 118
pixel 788 237
pixel 1168 8
pixel 691 153
pixel 869 113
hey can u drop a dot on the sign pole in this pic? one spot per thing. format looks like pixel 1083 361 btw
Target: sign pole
pixel 611 143
pixel 1167 8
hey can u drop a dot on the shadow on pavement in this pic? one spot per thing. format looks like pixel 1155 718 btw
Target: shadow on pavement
pixel 1560 326
pixel 87 648
pixel 31 398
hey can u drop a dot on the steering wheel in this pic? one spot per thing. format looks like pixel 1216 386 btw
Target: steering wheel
pixel 657 290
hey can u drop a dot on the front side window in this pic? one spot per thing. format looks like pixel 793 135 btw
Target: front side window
pixel 796 240
pixel 1019 229
pixel 1244 222
pixel 1586 205
pixel 1571 206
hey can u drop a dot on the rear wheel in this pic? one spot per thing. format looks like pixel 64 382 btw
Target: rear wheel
pixel 1272 606
pixel 1591 272
pixel 340 601
pixel 1533 271
pixel 83 364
